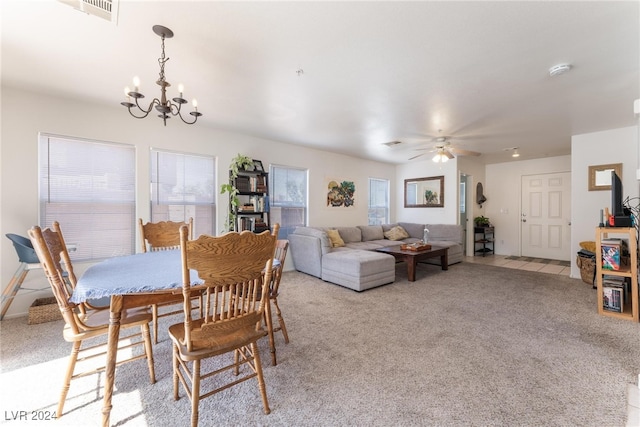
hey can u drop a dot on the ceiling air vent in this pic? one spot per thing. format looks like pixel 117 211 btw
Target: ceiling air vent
pixel 105 9
pixel 391 143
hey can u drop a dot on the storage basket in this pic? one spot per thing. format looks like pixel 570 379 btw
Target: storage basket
pixel 44 310
pixel 587 265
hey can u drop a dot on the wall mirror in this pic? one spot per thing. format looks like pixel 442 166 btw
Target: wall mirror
pixel 600 176
pixel 425 192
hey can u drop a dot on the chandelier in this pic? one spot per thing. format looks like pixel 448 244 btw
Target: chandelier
pixel 164 106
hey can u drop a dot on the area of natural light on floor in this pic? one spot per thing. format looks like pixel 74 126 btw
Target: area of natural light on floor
pixel 31 380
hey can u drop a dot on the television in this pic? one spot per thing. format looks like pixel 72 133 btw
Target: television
pixel 619 215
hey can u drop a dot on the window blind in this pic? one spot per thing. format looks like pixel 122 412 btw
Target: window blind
pixel 89 188
pixel 288 198
pixel 183 187
pixel 378 201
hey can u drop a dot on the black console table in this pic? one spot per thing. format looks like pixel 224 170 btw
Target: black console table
pixel 484 240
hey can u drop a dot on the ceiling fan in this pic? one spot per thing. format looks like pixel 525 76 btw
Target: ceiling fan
pixel 444 151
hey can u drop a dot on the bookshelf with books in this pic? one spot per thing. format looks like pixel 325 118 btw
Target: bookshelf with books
pixel 617 272
pixel 252 210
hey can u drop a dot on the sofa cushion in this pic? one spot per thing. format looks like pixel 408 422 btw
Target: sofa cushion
pixel 414 230
pixel 450 232
pixel 396 233
pixel 358 270
pixel 336 240
pixel 317 232
pixel 350 234
pixel 387 227
pixel 371 245
pixel 371 232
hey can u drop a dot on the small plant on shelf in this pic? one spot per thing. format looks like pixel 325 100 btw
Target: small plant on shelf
pixel 482 221
pixel 238 163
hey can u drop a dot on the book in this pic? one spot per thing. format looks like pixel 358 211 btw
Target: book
pixel 612 298
pixel 611 250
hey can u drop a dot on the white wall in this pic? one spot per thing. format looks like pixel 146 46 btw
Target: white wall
pixel 503 192
pixel 475 173
pixel 25 114
pixel 599 148
pixel 427 168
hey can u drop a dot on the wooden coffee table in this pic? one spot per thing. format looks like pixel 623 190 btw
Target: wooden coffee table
pixel 413 257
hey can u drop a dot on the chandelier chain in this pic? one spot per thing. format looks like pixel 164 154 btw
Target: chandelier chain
pixel 162 61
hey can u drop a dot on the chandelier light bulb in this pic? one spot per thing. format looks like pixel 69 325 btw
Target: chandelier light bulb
pixel 181 89
pixel 195 104
pixel 136 83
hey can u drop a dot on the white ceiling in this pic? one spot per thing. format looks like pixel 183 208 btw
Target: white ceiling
pixel 373 71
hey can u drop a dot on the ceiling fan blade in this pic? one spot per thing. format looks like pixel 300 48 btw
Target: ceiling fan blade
pixel 416 156
pixel 462 152
pixel 448 154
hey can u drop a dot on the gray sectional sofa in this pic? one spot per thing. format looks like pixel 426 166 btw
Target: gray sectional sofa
pixel 356 265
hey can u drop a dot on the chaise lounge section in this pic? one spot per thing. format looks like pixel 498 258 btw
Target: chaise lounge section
pixel 351 260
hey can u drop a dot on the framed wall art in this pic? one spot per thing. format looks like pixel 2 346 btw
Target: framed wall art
pixel 341 193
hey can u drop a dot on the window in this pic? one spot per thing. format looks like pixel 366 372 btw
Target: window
pixel 378 201
pixel 288 193
pixel 89 188
pixel 183 187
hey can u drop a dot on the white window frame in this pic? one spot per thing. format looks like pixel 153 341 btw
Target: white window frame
pixel 91 195
pixel 183 205
pixel 373 216
pixel 277 203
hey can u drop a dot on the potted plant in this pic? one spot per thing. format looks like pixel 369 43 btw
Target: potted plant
pixel 238 163
pixel 482 221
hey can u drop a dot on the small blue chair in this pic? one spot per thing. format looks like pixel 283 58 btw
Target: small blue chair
pixel 28 261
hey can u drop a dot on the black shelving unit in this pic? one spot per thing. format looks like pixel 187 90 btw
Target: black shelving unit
pixel 484 240
pixel 252 212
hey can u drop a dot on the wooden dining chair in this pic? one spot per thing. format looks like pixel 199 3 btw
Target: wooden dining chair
pixel 81 322
pixel 274 289
pixel 234 268
pixel 162 236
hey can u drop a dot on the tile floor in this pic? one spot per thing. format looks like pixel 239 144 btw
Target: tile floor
pixel 521 263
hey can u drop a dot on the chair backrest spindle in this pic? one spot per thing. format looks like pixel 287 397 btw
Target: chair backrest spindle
pixel 234 268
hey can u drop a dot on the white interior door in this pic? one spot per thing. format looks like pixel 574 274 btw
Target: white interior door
pixel 546 216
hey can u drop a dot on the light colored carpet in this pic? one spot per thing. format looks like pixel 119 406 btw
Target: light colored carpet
pixel 476 345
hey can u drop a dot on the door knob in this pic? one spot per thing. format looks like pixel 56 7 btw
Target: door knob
pixel 524 220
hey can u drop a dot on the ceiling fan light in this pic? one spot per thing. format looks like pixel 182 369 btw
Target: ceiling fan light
pixel 440 158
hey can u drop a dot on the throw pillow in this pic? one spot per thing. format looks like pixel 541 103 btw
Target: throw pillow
pixel 371 232
pixel 396 233
pixel 336 240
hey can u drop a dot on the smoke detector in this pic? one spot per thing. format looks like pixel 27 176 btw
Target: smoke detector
pixel 556 70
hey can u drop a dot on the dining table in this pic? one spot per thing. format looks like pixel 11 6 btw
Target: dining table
pixel 136 281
